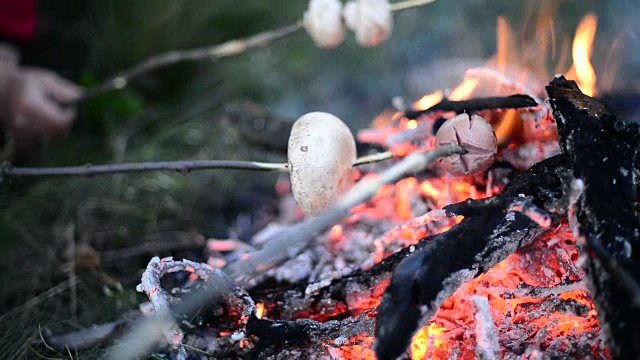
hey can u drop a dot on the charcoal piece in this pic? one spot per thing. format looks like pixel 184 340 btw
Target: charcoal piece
pixel 477 104
pixel 601 151
pixel 275 335
pixel 486 236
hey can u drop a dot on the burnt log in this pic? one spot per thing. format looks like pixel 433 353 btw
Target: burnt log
pixel 477 104
pixel 488 234
pixel 601 151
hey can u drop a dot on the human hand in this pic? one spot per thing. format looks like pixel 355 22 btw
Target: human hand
pixel 36 102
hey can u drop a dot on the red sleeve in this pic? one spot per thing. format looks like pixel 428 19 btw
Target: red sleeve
pixel 17 20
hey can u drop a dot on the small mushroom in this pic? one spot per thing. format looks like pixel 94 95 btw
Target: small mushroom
pixel 476 136
pixel 321 153
pixel 370 20
pixel 323 22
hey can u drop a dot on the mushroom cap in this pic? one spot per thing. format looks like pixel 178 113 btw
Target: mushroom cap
pixel 370 20
pixel 321 153
pixel 474 134
pixel 323 22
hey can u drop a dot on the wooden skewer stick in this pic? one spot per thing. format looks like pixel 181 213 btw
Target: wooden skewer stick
pixel 8 171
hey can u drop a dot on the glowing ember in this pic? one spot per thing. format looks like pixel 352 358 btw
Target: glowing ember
pixel 514 308
pixel 335 234
pixel 426 340
pixel 260 310
pixel 404 189
pixel 355 348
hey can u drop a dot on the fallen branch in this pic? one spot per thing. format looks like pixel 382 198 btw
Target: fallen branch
pixel 477 104
pixel 184 167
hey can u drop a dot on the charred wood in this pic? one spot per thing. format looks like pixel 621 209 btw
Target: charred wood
pixel 477 104
pixel 601 151
pixel 488 234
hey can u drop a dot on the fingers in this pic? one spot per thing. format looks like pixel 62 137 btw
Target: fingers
pixel 61 90
pixel 38 102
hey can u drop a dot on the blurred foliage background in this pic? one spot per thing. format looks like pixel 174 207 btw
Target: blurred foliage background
pixel 176 114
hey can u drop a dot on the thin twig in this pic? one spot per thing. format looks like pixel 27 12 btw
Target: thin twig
pixel 373 158
pixel 477 104
pixel 8 171
pixel 227 49
pixel 409 4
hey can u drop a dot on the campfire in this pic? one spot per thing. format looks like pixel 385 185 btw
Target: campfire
pixel 505 282
pixel 531 258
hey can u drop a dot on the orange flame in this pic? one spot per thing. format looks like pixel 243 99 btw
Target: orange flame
pixel 506 127
pixel 428 100
pixel 464 90
pixel 506 44
pixel 581 52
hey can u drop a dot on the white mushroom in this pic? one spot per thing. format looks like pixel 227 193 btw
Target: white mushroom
pixel 371 20
pixel 323 22
pixel 320 154
pixel 475 135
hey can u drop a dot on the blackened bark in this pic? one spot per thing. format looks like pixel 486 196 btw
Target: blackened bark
pixel 601 151
pixel 487 235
